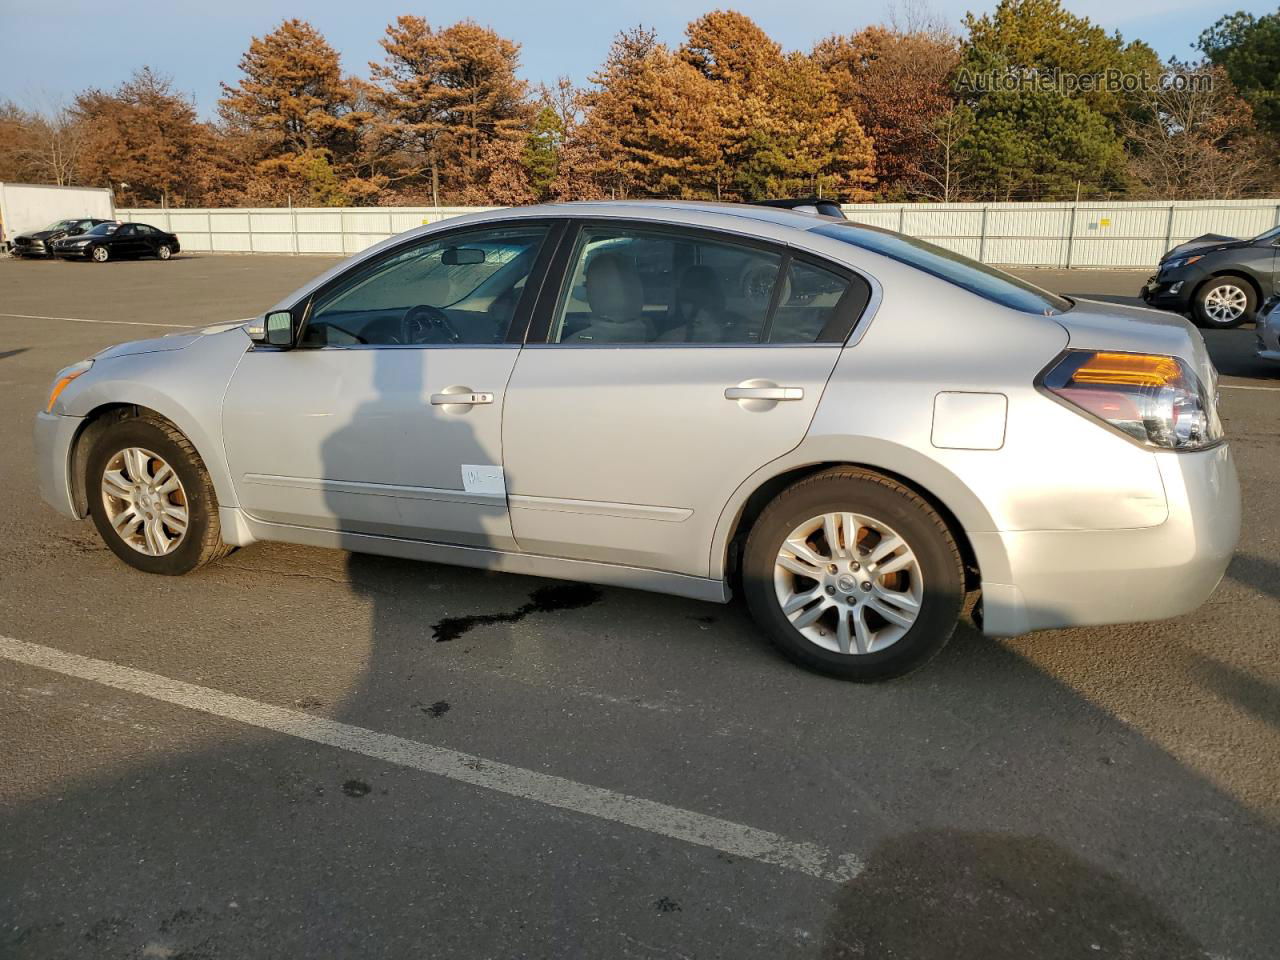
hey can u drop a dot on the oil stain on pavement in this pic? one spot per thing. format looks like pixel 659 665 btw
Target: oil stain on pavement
pixel 555 596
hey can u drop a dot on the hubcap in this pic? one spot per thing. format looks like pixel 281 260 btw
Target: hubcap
pixel 1226 303
pixel 164 253
pixel 145 501
pixel 848 582
pixel 100 254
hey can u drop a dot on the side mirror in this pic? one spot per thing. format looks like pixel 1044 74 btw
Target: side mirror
pixel 276 329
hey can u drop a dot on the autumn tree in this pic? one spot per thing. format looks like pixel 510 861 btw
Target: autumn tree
pixel 299 113
pixel 146 135
pixel 651 126
pixel 899 85
pixel 445 97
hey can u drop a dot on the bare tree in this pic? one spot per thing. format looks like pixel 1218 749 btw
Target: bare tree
pixel 43 146
pixel 1196 140
pixel 942 169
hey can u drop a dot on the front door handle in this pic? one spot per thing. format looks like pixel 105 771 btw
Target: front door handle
pixel 461 397
pixel 764 393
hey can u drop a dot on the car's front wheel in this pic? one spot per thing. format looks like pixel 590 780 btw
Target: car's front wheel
pixel 164 251
pixel 1225 302
pixel 852 574
pixel 100 254
pixel 151 498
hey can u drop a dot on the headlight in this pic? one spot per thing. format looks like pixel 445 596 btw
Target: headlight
pixel 64 377
pixel 1181 262
pixel 75 243
pixel 1154 399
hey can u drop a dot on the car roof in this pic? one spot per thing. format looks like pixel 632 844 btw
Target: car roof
pixel 779 216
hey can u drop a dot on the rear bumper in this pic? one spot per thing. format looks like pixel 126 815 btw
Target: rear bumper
pixel 53 438
pixel 1074 578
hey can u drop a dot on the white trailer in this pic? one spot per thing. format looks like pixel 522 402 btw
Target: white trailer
pixel 25 207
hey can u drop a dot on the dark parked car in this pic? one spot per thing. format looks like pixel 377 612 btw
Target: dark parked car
pixel 38 243
pixel 118 241
pixel 1220 281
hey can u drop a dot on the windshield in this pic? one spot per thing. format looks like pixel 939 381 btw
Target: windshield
pixel 59 225
pixel 1273 235
pixel 987 282
pixel 103 229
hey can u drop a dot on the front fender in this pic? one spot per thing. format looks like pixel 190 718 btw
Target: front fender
pixel 185 386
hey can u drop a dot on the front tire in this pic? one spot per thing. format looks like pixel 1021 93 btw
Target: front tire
pixel 99 254
pixel 1225 302
pixel 164 252
pixel 151 498
pixel 853 575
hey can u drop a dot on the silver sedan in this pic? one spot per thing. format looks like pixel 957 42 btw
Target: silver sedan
pixel 864 435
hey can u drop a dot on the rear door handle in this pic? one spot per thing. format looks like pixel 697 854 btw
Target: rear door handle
pixel 764 393
pixel 448 399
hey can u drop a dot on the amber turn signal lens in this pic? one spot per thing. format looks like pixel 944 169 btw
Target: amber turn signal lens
pixel 1129 370
pixel 64 377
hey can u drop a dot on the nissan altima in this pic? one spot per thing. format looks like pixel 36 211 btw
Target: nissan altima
pixel 863 435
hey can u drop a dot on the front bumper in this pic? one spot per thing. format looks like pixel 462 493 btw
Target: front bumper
pixel 54 436
pixel 1076 578
pixel 1170 293
pixel 32 248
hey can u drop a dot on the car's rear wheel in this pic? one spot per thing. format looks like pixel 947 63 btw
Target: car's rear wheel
pixel 854 575
pixel 151 498
pixel 100 254
pixel 164 251
pixel 1225 302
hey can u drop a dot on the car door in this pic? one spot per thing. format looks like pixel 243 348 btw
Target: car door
pixel 673 363
pixel 386 418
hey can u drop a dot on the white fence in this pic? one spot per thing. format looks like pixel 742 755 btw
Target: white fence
pixel 1020 234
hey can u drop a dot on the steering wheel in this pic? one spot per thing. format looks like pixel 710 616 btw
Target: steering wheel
pixel 427 324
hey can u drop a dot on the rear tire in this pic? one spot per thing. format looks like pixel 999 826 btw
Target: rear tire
pixel 164 252
pixel 922 593
pixel 1225 302
pixel 127 482
pixel 99 254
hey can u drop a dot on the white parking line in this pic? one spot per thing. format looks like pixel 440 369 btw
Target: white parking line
pixel 726 836
pixel 131 323
pixel 1241 386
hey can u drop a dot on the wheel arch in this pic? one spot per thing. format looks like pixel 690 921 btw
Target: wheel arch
pixel 1237 274
pixel 102 416
pixel 958 506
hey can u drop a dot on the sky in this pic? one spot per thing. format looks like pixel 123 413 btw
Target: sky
pixel 50 51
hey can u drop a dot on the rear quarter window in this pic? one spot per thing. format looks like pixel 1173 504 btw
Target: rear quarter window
pixel 985 281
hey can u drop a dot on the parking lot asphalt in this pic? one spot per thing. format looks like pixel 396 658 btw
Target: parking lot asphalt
pixel 616 774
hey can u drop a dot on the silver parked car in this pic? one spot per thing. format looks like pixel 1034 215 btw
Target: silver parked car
pixel 857 430
pixel 1268 332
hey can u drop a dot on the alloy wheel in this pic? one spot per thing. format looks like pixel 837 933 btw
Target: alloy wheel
pixel 848 583
pixel 1225 303
pixel 145 502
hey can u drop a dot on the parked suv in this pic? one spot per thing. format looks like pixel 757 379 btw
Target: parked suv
pixel 856 430
pixel 1220 281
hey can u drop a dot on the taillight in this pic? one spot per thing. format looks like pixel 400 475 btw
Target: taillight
pixel 1156 400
